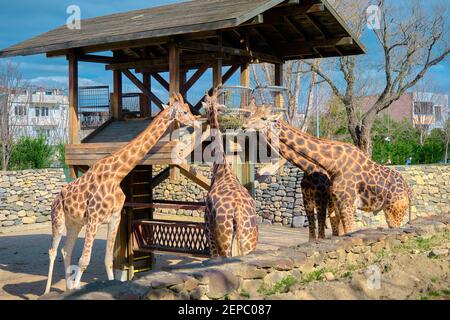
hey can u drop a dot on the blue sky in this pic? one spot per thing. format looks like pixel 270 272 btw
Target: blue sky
pixel 23 19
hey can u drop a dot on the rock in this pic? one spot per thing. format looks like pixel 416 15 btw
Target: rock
pixel 161 294
pixel 329 276
pixel 221 283
pixel 298 221
pixel 7 223
pixel 198 293
pixel 251 286
pixel 277 263
pixel 435 253
pixel 250 272
pixel 28 220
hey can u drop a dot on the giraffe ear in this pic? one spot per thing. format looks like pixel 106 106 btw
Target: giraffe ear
pixel 165 106
pixel 180 98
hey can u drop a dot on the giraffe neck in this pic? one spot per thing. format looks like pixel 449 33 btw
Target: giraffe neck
pixel 130 155
pixel 306 146
pixel 289 154
pixel 220 160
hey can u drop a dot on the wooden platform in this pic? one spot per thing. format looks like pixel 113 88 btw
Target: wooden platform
pixel 115 135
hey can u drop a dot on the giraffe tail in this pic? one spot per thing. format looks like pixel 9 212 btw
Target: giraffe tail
pixel 57 215
pixel 410 196
pixel 236 248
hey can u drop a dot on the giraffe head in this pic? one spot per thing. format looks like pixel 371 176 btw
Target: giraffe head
pixel 213 108
pixel 179 111
pixel 260 118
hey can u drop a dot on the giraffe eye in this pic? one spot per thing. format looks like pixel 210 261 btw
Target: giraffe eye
pixel 264 118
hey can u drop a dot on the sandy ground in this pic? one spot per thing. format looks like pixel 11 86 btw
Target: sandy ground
pixel 24 258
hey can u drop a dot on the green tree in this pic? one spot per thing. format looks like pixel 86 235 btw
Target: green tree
pixel 31 153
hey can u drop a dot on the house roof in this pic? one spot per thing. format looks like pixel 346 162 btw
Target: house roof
pixel 305 23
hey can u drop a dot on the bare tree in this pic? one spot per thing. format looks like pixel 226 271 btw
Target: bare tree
pixel 412 38
pixel 11 85
pixel 263 74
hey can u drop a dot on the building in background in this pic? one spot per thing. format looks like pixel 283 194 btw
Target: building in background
pixel 423 109
pixel 40 111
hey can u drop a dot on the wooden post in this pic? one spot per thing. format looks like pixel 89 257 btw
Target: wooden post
pixel 146 105
pixel 117 95
pixel 74 122
pixel 174 87
pixel 244 169
pixel 279 81
pixel 217 74
pixel 245 82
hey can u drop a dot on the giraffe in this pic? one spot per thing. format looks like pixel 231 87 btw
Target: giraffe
pixel 356 180
pixel 315 183
pixel 230 210
pixel 96 198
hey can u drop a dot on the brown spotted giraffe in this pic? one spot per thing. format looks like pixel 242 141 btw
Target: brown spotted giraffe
pixel 96 197
pixel 356 180
pixel 315 183
pixel 230 210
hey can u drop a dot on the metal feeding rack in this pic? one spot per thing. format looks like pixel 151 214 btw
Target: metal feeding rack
pixel 238 98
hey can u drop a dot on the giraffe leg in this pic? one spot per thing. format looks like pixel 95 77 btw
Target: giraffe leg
pixel 91 232
pixel 309 208
pixel 57 232
pixel 321 218
pixel 336 225
pixel 113 228
pixel 73 230
pixel 346 216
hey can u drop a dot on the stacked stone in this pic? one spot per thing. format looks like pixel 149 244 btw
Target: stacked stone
pixel 279 199
pixel 26 196
pixel 246 277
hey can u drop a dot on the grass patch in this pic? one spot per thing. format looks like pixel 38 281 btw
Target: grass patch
pixel 317 275
pixel 423 244
pixel 435 295
pixel 245 294
pixel 279 287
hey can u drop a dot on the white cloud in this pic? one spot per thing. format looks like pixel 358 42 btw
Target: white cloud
pixel 60 81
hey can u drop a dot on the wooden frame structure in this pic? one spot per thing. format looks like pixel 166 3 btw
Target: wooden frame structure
pixel 197 35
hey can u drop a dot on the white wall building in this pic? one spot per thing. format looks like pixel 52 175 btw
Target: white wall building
pixel 40 111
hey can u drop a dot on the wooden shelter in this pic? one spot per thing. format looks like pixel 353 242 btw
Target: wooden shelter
pixel 198 35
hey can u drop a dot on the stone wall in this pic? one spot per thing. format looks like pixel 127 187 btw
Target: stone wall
pixel 26 196
pixel 261 274
pixel 279 198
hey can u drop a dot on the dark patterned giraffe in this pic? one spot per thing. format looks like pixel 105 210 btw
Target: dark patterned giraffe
pixel 315 183
pixel 96 197
pixel 356 180
pixel 230 210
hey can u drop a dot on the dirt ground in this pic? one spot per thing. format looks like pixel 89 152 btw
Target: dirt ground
pixel 410 271
pixel 24 258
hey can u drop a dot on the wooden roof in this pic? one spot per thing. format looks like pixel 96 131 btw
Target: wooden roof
pixel 285 29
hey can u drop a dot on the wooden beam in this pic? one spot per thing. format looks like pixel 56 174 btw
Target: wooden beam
pixel 299 48
pixel 143 88
pixel 279 81
pixel 117 95
pixel 195 176
pixel 255 56
pixel 146 105
pixel 161 81
pixel 217 73
pixel 174 68
pixel 195 77
pixel 245 82
pixel 74 122
pixel 225 78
